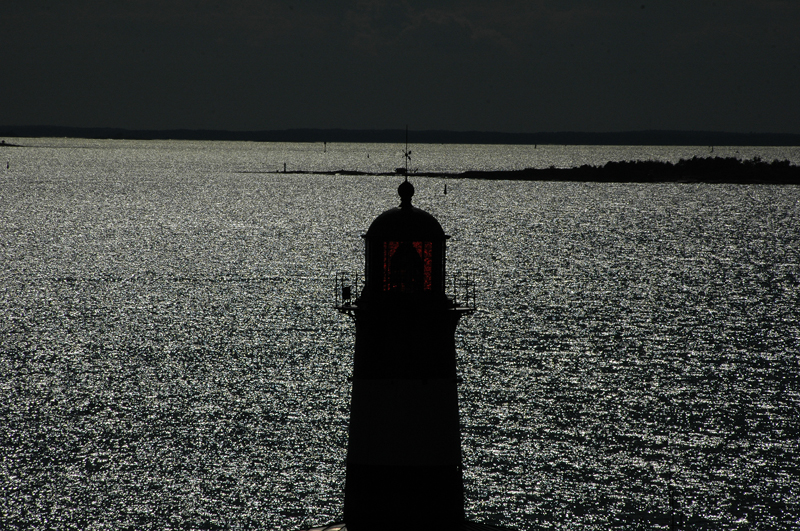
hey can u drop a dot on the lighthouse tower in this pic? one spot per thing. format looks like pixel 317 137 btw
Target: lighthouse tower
pixel 404 449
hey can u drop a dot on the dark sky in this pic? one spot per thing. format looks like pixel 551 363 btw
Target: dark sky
pixel 499 65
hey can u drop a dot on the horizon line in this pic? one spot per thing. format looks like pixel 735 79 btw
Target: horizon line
pixel 420 136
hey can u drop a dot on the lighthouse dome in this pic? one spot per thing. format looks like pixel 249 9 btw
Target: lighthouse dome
pixel 405 222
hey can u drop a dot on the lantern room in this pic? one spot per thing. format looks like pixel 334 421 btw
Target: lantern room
pixel 405 252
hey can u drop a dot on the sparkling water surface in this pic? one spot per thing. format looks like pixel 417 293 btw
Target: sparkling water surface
pixel 170 358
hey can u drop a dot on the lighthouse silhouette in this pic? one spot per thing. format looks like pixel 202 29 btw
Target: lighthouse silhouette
pixel 404 446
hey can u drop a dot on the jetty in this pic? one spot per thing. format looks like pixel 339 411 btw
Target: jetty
pixel 694 170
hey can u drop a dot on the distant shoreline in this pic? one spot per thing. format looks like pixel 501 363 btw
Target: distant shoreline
pixel 695 170
pixel 625 138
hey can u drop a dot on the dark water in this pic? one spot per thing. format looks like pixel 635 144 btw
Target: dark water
pixel 169 357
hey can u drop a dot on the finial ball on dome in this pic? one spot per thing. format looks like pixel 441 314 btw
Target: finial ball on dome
pixel 405 191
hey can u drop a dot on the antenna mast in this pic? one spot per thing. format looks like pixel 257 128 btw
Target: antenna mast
pixel 407 153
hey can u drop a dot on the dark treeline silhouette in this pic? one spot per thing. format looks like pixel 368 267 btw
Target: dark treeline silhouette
pixel 629 138
pixel 696 169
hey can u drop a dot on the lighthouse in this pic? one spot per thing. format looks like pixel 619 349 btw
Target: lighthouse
pixel 404 447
